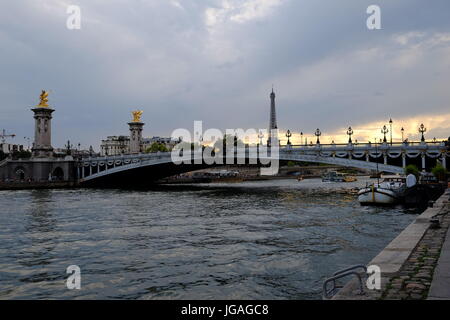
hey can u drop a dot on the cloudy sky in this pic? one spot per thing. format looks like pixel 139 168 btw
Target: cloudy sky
pixel 216 61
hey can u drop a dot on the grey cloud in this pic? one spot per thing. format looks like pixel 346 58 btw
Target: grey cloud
pixel 164 60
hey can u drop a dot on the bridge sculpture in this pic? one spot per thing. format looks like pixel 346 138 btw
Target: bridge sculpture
pixel 144 167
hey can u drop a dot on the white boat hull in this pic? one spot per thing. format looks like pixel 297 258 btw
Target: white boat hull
pixel 376 196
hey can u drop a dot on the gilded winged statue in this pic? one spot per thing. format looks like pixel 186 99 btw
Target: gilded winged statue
pixel 137 115
pixel 43 99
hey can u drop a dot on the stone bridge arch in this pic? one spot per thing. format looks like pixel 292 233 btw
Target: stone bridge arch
pixel 144 170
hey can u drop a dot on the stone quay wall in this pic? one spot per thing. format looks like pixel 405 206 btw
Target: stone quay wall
pixel 408 263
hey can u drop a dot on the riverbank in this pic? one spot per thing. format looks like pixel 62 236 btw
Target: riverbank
pixel 415 265
pixel 37 185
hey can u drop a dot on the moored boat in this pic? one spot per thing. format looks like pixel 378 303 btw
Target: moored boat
pixel 389 191
pixel 348 178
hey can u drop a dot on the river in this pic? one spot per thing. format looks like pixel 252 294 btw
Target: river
pixel 276 239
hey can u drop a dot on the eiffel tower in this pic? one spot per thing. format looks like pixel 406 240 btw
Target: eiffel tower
pixel 273 119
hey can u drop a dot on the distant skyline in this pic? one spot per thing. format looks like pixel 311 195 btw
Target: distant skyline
pixel 216 61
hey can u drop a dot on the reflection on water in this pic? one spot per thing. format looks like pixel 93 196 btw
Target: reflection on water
pixel 254 240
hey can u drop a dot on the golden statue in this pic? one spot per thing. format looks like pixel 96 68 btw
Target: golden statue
pixel 44 99
pixel 137 115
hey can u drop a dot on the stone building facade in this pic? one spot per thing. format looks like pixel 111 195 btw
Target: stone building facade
pixel 8 148
pixel 115 145
pixel 118 145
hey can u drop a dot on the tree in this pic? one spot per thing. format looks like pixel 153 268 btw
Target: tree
pixel 291 163
pixel 439 172
pixel 21 154
pixel 228 140
pixel 156 147
pixel 412 169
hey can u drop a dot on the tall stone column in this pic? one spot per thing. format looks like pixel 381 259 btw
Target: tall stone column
pixel 136 133
pixel 42 146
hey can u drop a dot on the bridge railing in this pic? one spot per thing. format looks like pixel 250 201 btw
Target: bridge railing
pixel 367 144
pixel 436 145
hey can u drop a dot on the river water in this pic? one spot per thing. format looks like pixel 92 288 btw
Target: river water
pixel 275 239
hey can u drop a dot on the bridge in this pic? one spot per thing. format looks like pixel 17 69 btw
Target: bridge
pixel 132 167
pixel 141 168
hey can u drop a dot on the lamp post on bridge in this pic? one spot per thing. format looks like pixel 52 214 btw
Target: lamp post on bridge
pixel 350 133
pixel 402 130
pixel 260 136
pixel 68 148
pixel 422 130
pixel 318 134
pixel 384 131
pixel 288 135
pixel 301 137
pixel 390 127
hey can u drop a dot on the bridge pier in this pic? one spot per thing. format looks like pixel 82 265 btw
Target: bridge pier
pixel 423 161
pixel 403 160
pixel 385 158
pixel 135 137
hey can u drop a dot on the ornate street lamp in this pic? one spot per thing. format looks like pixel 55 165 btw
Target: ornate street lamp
pixel 260 136
pixel 384 131
pixel 301 137
pixel 289 135
pixel 402 130
pixel 68 147
pixel 422 130
pixel 318 134
pixel 390 127
pixel 349 133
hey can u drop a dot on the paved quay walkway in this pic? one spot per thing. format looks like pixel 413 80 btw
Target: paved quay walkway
pixel 416 264
pixel 440 286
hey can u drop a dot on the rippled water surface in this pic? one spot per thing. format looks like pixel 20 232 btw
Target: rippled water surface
pixel 256 240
